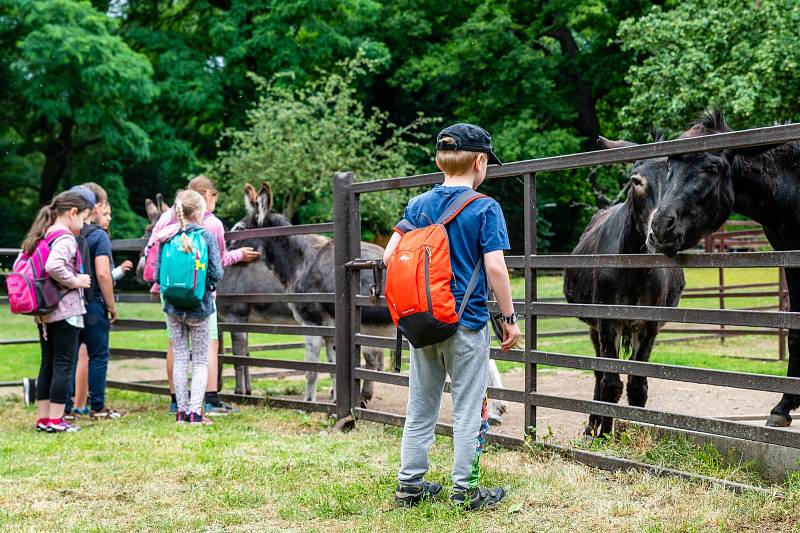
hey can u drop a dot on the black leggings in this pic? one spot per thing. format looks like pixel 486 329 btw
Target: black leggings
pixel 58 356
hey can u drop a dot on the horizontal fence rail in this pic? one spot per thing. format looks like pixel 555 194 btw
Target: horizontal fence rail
pixel 734 139
pixel 685 260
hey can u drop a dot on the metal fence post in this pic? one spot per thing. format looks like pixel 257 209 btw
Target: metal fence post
pixel 530 296
pixel 342 209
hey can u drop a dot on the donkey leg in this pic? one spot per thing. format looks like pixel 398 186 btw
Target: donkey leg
pixel 610 384
pixel 593 427
pixel 313 347
pixel 373 357
pixel 637 385
pixel 498 407
pixel 330 353
pixel 239 343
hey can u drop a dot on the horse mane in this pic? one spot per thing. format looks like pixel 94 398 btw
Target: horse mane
pixel 658 134
pixel 713 122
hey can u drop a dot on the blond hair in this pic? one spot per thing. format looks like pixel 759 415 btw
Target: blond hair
pixel 455 162
pixel 201 184
pixel 189 207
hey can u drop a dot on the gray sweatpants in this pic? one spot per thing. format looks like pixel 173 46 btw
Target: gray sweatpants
pixel 182 330
pixel 465 358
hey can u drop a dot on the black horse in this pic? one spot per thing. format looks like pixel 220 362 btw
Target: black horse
pixel 622 229
pixel 759 182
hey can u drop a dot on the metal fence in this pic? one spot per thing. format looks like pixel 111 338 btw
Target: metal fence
pixel 349 339
pixel 347 195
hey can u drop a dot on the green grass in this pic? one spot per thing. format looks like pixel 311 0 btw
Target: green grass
pixel 271 470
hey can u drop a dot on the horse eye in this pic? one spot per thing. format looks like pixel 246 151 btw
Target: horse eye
pixel 711 170
pixel 636 181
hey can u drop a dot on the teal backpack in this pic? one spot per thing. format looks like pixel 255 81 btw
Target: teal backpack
pixel 182 274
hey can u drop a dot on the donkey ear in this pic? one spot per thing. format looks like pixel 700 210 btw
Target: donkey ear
pixel 250 198
pixel 151 210
pixel 265 198
pixel 606 144
pixel 163 206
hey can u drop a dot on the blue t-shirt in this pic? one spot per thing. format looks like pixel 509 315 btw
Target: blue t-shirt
pixel 99 244
pixel 480 228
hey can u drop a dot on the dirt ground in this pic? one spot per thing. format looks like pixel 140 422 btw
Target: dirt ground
pixel 673 396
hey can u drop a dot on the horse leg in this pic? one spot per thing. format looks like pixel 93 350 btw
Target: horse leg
pixel 373 357
pixel 313 347
pixel 594 421
pixel 610 384
pixel 637 385
pixel 498 407
pixel 330 353
pixel 239 343
pixel 779 416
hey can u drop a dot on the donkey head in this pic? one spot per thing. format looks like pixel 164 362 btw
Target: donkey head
pixel 646 182
pixel 154 210
pixel 699 195
pixel 259 209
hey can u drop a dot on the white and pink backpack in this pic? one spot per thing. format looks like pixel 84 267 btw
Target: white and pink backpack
pixel 31 290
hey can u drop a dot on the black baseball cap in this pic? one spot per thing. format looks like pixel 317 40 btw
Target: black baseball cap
pixel 469 138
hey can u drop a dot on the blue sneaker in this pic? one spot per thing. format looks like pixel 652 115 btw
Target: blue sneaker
pixel 220 409
pixel 173 408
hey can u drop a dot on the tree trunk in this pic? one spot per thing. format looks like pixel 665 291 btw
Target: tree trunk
pixel 57 160
pixel 588 124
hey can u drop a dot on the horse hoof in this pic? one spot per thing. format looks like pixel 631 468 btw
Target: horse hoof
pixel 364 404
pixel 779 421
pixel 495 420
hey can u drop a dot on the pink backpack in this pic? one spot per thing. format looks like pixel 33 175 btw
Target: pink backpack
pixel 151 253
pixel 31 290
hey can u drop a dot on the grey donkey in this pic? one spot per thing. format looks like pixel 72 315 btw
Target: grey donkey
pixel 242 278
pixel 305 263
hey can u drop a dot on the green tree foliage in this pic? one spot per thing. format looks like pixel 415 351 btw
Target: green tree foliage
pixel 322 127
pixel 742 56
pixel 69 87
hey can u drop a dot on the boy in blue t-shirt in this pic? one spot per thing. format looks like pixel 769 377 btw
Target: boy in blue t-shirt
pixel 477 234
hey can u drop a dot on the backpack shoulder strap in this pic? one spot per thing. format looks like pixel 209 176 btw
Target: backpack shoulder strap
pixel 457 205
pixel 57 234
pixel 404 226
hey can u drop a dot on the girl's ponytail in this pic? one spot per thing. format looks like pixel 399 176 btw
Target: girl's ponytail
pixel 44 219
pixel 47 216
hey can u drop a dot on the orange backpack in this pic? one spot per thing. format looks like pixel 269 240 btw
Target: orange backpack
pixel 418 279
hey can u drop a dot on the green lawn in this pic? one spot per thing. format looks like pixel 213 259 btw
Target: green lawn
pixel 268 470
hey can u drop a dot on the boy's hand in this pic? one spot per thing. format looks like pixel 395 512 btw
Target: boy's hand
pixel 511 336
pixel 249 255
pixel 126 266
pixel 112 312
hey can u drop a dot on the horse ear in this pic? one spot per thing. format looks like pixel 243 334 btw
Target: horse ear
pixel 694 131
pixel 606 144
pixel 151 210
pixel 265 198
pixel 250 198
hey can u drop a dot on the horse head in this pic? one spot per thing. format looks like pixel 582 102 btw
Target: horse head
pixel 699 196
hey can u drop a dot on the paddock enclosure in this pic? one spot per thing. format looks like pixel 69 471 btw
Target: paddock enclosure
pixel 348 371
